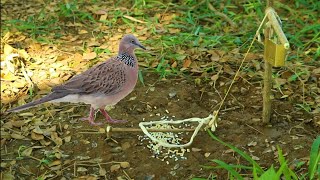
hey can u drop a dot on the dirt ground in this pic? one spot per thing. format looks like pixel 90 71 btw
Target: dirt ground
pixel 239 126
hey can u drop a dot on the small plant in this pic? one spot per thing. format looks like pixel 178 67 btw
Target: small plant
pixel 71 10
pixel 162 68
pixel 36 25
pixel 98 50
pixel 20 150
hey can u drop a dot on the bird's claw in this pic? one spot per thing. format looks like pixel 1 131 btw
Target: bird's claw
pixel 91 121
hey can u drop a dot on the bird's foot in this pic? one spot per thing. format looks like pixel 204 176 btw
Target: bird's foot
pixel 91 121
pixel 91 118
pixel 109 119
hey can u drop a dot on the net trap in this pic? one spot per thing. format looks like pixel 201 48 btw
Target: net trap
pixel 166 138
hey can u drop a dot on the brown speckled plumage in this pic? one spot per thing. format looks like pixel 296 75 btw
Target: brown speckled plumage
pixel 107 78
pixel 104 84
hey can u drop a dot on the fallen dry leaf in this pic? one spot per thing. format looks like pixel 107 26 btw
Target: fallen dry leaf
pixel 36 136
pixel 228 69
pixel 89 56
pixel 37 130
pixel 82 31
pixel 115 167
pixel 17 136
pixel 316 71
pixel 55 163
pixel 215 77
pixel 102 172
pixel 186 63
pixel 56 139
pixel 67 139
pixel 27 152
pixel 134 19
pixel 174 64
pixel 103 17
pixel 7 49
pixel 125 164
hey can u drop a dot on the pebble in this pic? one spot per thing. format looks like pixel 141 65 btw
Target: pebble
pixel 255 158
pixel 140 110
pixel 256 119
pixel 149 177
pixel 173 173
pixel 172 94
pixel 176 166
pixel 94 144
pixel 257 107
pixel 125 146
pixel 121 178
pixel 117 149
pixel 152 89
pixel 207 154
pixel 82 169
pixel 195 149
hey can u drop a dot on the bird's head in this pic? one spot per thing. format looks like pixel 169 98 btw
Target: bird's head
pixel 130 42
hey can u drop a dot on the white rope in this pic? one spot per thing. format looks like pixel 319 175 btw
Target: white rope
pixel 210 120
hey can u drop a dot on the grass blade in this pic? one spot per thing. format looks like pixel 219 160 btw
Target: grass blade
pixel 229 169
pixel 283 164
pixel 231 165
pixel 314 158
pixel 140 76
pixel 269 174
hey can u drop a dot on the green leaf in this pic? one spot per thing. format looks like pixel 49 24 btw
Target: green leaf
pixel 269 174
pixel 140 76
pixel 229 169
pixel 283 163
pixel 281 169
pixel 255 175
pixel 314 158
pixel 231 165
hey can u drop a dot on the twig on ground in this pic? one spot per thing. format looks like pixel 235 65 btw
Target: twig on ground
pixel 225 17
pixel 254 129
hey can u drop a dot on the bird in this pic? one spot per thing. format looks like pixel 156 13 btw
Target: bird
pixel 101 85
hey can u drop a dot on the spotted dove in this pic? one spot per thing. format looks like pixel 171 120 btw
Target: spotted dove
pixel 104 84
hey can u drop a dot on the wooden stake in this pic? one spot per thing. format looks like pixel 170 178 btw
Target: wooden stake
pixel 267 83
pixel 267 77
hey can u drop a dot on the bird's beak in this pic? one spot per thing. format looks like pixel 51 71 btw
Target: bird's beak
pixel 140 46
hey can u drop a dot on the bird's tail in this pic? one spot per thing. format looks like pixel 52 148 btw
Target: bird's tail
pixel 47 98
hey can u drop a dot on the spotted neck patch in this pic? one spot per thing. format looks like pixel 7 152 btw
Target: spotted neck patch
pixel 127 59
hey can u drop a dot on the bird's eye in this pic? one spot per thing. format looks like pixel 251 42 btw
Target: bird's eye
pixel 132 41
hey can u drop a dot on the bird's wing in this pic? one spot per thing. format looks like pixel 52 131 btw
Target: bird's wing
pixel 106 78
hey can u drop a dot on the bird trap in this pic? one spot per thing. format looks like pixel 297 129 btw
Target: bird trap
pixel 166 138
pixel 169 126
pixel 275 50
pixel 174 137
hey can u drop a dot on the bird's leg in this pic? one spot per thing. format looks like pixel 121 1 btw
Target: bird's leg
pixel 109 119
pixel 91 117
